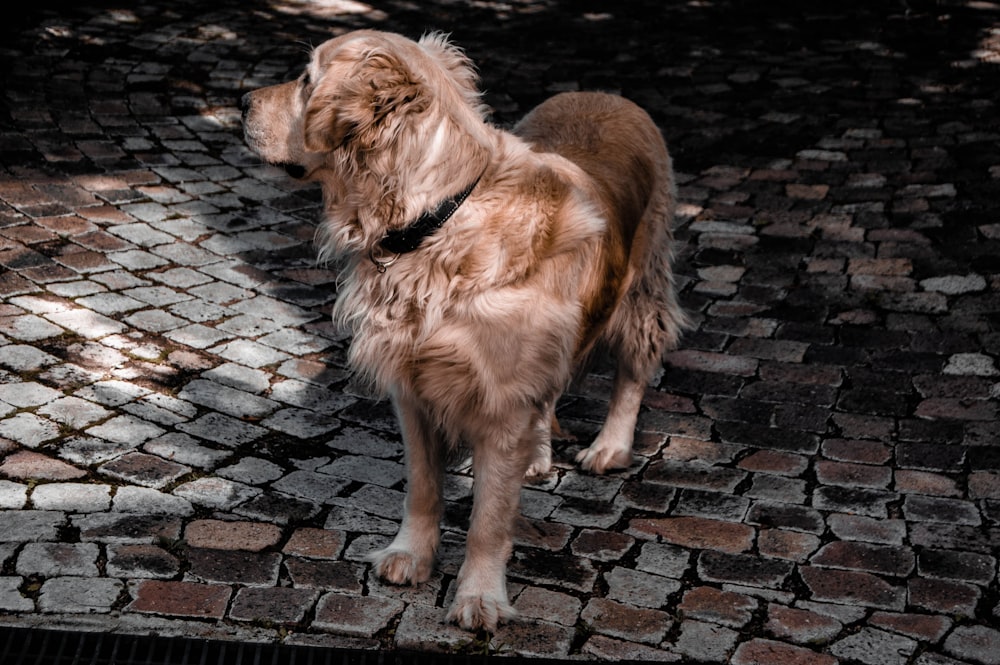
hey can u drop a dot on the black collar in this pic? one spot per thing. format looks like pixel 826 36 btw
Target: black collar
pixel 401 241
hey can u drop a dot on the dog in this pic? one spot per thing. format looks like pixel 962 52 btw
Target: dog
pixel 481 267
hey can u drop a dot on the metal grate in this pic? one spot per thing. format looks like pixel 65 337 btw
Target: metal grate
pixel 34 646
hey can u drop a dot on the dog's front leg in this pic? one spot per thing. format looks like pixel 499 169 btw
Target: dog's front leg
pixel 409 559
pixel 499 459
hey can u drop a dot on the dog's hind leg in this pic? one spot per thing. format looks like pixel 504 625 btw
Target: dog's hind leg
pixel 646 324
pixel 409 559
pixel 612 449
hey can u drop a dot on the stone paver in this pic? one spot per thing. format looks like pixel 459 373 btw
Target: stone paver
pixel 817 477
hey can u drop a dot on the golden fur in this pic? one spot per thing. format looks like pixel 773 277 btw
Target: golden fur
pixel 564 243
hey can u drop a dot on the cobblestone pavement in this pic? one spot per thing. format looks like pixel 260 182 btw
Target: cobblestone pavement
pixel 818 469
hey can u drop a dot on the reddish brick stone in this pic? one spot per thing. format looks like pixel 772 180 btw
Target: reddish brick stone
pixel 634 624
pixel 844 474
pixel 865 557
pixel 923 627
pixel 879 267
pixel 863 425
pixel 772 461
pixel 685 449
pixel 819 375
pixel 807 192
pixel 220 535
pixel 943 596
pixel 723 607
pixel 601 545
pixel 539 533
pixel 28 464
pixel 698 533
pixel 791 545
pixel 862 452
pixel 70 225
pixel 538 603
pixel 958 409
pixel 234 566
pixel 801 626
pixel 185 599
pixel 315 543
pixel 86 261
pixel 925 482
pixel 145 470
pixel 852 588
pixel 984 485
pixel 336 575
pixel 760 652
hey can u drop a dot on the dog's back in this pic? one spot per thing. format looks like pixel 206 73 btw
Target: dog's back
pixel 614 141
pixel 621 150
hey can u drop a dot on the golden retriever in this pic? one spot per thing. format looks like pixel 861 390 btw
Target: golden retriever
pixel 480 269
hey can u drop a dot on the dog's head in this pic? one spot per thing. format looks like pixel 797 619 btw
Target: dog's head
pixel 360 93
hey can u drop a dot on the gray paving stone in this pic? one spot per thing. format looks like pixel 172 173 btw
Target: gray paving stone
pixel 311 486
pixel 72 497
pixel 979 644
pixel 144 500
pixel 28 429
pixel 13 495
pixel 230 401
pixel 217 493
pixel 141 562
pixel 301 423
pixel 29 328
pixel 195 335
pixel 125 429
pixel 87 451
pixel 58 559
pixel 186 450
pixel 112 393
pixel 11 599
pixel 362 469
pixel 250 353
pixel 875 647
pixel 252 470
pixel 705 642
pixel 360 616
pixel 74 412
pixel 222 429
pixel 85 323
pixel 135 528
pixel 639 588
pixel 21 357
pixel 79 595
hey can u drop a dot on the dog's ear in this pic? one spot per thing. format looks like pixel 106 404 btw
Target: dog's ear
pixel 364 104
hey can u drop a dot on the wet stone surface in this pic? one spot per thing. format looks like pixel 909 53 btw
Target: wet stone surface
pixel 817 477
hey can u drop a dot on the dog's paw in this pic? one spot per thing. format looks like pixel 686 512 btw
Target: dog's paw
pixel 475 612
pixel 600 459
pixel 538 470
pixel 400 566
